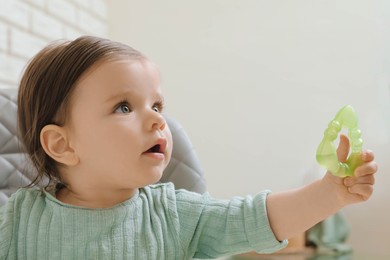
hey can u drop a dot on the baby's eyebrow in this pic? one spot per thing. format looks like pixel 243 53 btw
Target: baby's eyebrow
pixel 160 97
pixel 117 96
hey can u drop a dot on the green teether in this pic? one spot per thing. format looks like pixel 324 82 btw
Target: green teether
pixel 326 151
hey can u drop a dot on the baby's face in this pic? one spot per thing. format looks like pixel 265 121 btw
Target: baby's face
pixel 116 127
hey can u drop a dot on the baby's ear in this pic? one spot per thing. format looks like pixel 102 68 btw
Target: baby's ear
pixel 55 143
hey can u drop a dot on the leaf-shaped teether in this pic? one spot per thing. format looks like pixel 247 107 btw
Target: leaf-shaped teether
pixel 326 151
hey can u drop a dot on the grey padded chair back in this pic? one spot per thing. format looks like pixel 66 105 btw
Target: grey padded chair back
pixel 184 169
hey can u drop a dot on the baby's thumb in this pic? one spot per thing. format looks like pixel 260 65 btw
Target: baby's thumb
pixel 343 149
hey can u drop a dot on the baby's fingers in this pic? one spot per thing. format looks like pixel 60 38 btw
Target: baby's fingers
pixel 364 191
pixel 361 184
pixel 368 156
pixel 367 179
pixel 366 169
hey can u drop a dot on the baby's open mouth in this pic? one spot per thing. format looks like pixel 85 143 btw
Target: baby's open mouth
pixel 158 148
pixel 155 149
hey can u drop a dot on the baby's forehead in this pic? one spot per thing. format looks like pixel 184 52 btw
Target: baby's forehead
pixel 113 74
pixel 124 59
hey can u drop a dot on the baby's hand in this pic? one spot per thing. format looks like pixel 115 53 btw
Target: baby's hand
pixel 361 184
pixel 355 188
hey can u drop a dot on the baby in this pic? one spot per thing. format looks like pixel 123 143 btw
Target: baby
pixel 90 118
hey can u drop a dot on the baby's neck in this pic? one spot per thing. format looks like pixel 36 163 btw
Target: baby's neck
pixel 94 199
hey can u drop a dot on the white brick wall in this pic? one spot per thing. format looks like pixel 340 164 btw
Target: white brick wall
pixel 24 44
pixel 64 10
pixel 15 12
pixel 26 26
pixel 45 25
pixel 10 68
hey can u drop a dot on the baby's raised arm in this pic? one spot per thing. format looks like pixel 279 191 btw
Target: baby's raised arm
pixel 293 212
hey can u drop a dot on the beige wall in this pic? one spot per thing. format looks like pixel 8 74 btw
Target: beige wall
pixel 255 84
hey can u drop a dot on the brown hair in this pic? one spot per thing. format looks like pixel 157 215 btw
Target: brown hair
pixel 46 88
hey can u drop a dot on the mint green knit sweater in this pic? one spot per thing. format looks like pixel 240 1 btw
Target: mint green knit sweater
pixel 157 223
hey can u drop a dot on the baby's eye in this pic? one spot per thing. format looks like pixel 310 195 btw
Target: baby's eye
pixel 123 108
pixel 158 107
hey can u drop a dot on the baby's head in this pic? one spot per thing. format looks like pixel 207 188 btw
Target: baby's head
pixel 89 111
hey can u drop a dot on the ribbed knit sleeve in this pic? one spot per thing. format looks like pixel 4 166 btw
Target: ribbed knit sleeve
pixel 211 228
